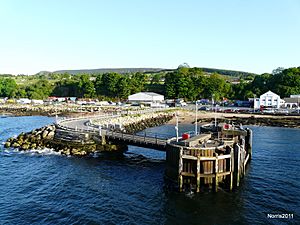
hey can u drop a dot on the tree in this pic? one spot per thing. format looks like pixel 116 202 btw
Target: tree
pixel 107 84
pixel 216 86
pixel 66 88
pixel 41 89
pixel 156 78
pixel 86 86
pixel 277 70
pixel 137 82
pixel 8 87
pixel 123 87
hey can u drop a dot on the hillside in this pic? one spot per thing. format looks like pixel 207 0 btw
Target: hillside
pixel 110 70
pixel 231 73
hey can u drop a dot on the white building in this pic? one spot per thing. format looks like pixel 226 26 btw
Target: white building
pixel 268 99
pixel 146 97
pixel 292 102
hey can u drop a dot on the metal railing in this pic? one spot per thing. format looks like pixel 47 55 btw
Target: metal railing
pixel 113 115
pixel 146 138
pixel 141 137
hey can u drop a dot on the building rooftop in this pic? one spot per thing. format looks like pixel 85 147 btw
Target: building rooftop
pixel 291 100
pixel 148 93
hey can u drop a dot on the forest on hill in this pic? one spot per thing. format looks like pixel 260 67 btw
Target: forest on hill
pixel 187 83
pixel 231 73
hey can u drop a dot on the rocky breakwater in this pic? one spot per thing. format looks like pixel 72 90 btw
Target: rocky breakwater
pixel 53 138
pixel 35 139
pixel 134 123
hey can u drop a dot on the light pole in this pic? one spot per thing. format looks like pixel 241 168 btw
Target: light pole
pixel 56 116
pixel 176 127
pixel 196 122
pixel 100 130
pixel 214 110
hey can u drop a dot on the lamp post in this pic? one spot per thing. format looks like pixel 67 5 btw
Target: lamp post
pixel 100 130
pixel 176 127
pixel 214 109
pixel 196 122
pixel 56 113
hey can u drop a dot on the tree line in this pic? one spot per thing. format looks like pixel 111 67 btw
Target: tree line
pixel 187 83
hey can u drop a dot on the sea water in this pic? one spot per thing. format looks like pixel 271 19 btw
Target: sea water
pixel 43 187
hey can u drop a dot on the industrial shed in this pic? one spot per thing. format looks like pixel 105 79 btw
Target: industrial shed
pixel 146 97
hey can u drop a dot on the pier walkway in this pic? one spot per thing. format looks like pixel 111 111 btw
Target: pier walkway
pixel 142 139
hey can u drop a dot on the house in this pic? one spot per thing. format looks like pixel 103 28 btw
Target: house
pixel 292 102
pixel 146 97
pixel 269 100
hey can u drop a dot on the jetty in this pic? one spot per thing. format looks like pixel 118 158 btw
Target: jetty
pixel 217 157
pixel 214 158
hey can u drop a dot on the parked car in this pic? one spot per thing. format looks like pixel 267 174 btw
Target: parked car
pixel 282 111
pixel 268 111
pixel 204 108
pixel 228 110
pixel 297 111
pixel 181 104
pixel 242 110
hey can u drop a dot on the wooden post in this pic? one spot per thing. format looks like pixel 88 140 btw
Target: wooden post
pixel 231 168
pixel 216 173
pixel 249 142
pixel 180 167
pixel 237 156
pixel 198 175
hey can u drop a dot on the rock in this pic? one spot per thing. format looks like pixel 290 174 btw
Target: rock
pixel 66 152
pixel 25 146
pixel 7 144
pixel 15 145
pixel 78 152
pixel 44 134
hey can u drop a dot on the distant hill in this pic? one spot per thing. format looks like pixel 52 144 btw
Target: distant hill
pixel 231 73
pixel 111 70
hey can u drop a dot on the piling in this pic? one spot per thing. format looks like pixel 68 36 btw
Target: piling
pixel 208 162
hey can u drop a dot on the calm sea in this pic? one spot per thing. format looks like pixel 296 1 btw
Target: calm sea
pixel 46 188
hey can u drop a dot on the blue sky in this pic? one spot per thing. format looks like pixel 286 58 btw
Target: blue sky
pixel 255 36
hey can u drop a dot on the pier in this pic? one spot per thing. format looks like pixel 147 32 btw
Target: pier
pixel 215 158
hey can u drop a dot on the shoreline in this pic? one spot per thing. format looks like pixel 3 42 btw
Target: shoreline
pixel 52 110
pixel 188 117
pixel 184 116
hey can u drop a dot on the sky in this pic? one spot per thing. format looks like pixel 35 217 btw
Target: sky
pixel 253 36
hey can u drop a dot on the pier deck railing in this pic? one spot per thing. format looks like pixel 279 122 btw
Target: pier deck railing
pixel 113 114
